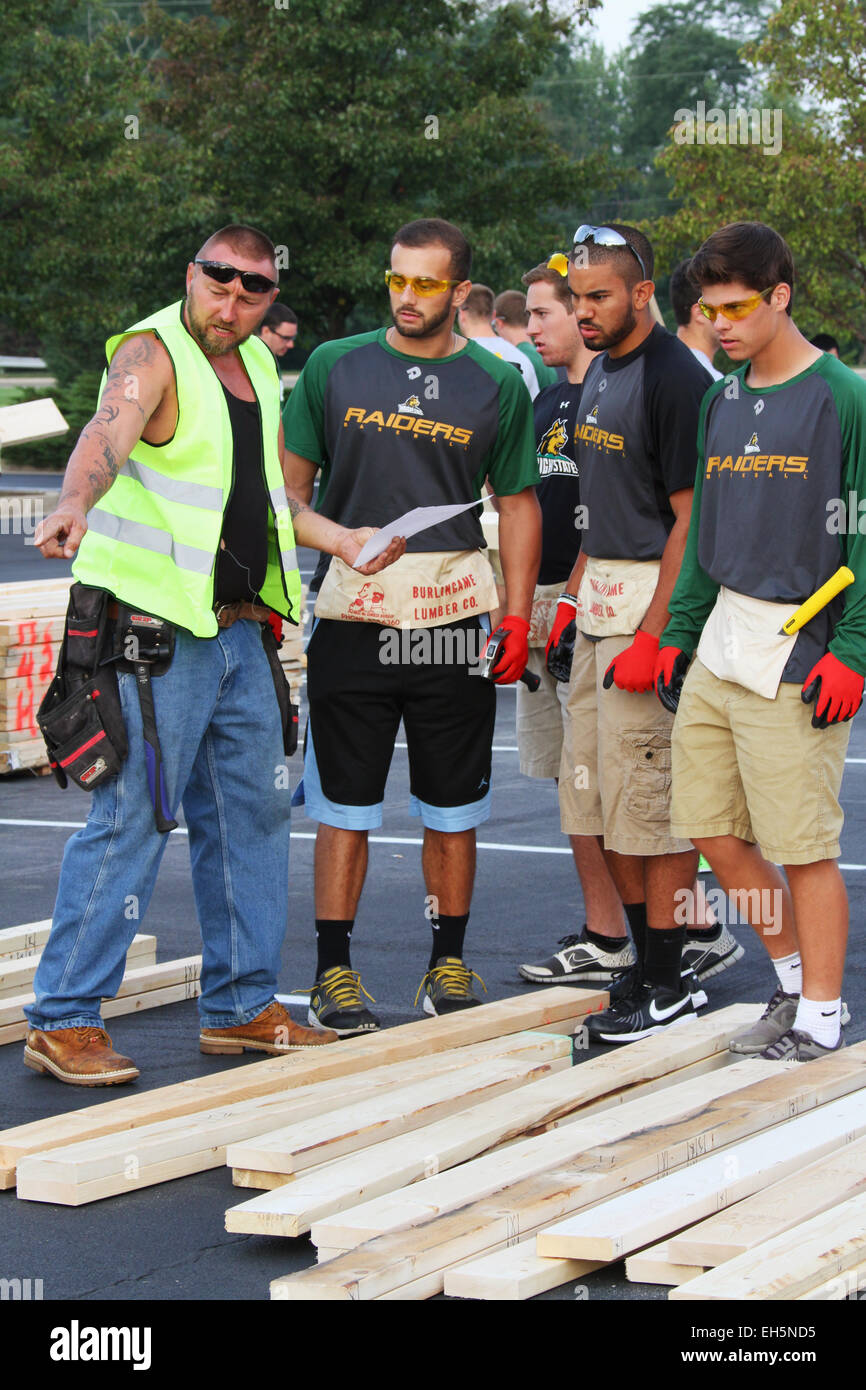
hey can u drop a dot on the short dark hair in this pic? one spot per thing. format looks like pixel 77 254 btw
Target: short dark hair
pixel 750 252
pixel 543 273
pixel 433 231
pixel 276 314
pixel 825 341
pixel 510 306
pixel 249 241
pixel 684 292
pixel 479 302
pixel 622 258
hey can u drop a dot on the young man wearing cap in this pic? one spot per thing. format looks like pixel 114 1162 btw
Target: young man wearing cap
pixel 636 454
pixel 762 725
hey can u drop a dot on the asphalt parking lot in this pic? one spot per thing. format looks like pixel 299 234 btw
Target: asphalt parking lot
pixel 168 1242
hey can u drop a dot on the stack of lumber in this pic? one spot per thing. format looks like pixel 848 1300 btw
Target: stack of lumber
pixel 31 630
pixel 145 984
pixel 516 1195
pixel 175 1130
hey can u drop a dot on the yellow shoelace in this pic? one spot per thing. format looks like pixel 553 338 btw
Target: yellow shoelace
pixel 453 976
pixel 345 989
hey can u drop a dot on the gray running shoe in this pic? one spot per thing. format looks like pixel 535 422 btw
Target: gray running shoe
pixel 795 1046
pixel 580 959
pixel 711 957
pixel 335 1003
pixel 775 1021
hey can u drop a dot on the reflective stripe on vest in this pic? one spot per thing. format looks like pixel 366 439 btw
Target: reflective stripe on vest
pixel 153 538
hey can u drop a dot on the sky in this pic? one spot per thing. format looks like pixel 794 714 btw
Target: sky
pixel 613 22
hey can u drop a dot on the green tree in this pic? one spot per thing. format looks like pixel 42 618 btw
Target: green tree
pixel 814 190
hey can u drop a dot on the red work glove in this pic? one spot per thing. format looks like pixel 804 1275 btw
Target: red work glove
pixel 565 610
pixel 276 623
pixel 634 668
pixel 668 676
pixel 838 689
pixel 514 652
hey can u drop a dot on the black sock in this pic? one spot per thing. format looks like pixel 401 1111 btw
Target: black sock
pixel 333 940
pixel 605 943
pixel 636 914
pixel 448 934
pixel 704 933
pixel 664 949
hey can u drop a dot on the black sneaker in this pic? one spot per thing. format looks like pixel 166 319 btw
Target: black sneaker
pixel 711 956
pixel 335 1003
pixel 447 987
pixel 580 959
pixel 649 1009
pixel 627 981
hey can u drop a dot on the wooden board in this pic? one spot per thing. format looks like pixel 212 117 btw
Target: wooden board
pixel 16 976
pixel 791 1264
pixel 513 1274
pixel 813 1189
pixel 136 980
pixel 16 756
pixel 655 1266
pixel 562 1150
pixel 847 1285
pixel 425 1037
pixel 709 1117
pixel 436 1243
pixel 636 1219
pixel 404 1160
pixel 100 1167
pixel 16 942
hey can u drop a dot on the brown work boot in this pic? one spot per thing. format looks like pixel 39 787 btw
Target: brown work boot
pixel 273 1030
pixel 79 1056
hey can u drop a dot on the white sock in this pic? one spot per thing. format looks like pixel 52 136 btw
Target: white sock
pixel 821 1019
pixel 790 972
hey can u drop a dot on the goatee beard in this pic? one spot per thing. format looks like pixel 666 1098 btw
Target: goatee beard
pixel 210 347
pixel 425 328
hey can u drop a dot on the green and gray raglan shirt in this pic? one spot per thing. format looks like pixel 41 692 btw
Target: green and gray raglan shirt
pixel 781 472
pixel 393 432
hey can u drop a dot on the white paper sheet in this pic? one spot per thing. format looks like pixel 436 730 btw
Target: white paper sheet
pixel 409 524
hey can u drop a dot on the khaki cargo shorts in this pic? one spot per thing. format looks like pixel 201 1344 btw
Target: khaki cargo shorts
pixel 615 772
pixel 755 768
pixel 541 715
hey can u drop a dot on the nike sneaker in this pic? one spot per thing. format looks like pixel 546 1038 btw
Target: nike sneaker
pixel 647 1010
pixel 447 987
pixel 336 1004
pixel 581 959
pixel 627 981
pixel 776 1020
pixel 711 955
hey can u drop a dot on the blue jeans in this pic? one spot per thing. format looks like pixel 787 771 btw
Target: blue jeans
pixel 222 749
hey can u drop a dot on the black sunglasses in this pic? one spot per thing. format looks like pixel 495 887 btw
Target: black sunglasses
pixel 224 274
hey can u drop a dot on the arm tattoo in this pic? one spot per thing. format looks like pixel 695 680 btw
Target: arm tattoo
pixel 296 507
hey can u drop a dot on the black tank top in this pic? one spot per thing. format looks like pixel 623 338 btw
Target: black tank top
pixel 242 564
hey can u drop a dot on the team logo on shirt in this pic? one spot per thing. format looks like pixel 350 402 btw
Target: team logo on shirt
pixel 551 458
pixel 554 439
pixel 592 417
pixel 752 463
pixel 589 433
pixel 408 418
pixel 753 447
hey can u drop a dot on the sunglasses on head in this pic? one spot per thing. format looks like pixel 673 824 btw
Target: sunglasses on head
pixel 739 309
pixel 420 284
pixel 224 274
pixel 588 235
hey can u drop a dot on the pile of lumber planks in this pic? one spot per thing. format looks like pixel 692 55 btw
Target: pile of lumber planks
pixel 31 630
pixel 145 984
pixel 515 1195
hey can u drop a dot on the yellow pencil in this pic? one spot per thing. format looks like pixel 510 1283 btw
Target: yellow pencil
pixel 815 602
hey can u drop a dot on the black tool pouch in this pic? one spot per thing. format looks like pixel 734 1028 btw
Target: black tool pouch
pixel 80 716
pixel 289 713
